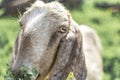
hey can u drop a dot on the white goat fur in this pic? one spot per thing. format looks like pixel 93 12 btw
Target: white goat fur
pixel 33 18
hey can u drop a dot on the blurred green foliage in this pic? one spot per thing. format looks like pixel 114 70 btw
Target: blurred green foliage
pixel 24 75
pixel 106 24
pixel 8 32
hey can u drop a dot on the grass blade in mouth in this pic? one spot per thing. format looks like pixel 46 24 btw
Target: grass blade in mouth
pixel 25 74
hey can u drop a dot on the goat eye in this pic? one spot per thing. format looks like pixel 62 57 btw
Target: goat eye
pixel 63 29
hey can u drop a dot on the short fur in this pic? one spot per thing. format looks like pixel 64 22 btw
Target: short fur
pixel 51 41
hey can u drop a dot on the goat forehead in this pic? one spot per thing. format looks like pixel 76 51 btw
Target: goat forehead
pixel 45 21
pixel 47 13
pixel 33 23
pixel 48 8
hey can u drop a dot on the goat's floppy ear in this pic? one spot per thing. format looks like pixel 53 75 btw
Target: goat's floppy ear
pixel 70 57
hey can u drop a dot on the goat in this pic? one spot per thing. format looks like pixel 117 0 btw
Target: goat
pixel 51 41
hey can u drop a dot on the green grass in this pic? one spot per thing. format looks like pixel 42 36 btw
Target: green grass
pixel 25 74
pixel 106 25
pixel 8 32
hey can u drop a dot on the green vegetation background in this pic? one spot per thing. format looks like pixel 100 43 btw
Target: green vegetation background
pixel 104 22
